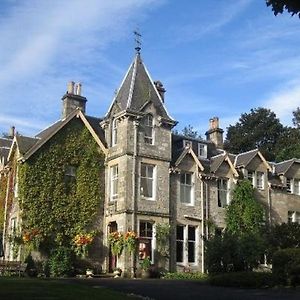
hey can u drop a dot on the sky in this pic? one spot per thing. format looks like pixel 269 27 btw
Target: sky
pixel 215 58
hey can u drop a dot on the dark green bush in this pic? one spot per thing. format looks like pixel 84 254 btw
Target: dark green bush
pixel 243 280
pixel 186 276
pixel 285 266
pixel 61 262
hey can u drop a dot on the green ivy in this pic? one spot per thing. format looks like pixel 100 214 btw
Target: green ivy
pixel 57 207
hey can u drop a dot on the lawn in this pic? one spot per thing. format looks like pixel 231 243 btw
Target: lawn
pixel 54 289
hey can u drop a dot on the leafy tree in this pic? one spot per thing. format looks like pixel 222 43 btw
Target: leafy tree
pixel 189 131
pixel 258 129
pixel 296 117
pixel 278 6
pixel 288 145
pixel 244 214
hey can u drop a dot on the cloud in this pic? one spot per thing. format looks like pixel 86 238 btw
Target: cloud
pixel 44 44
pixel 283 101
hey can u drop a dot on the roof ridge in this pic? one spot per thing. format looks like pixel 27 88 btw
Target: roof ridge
pixel 132 82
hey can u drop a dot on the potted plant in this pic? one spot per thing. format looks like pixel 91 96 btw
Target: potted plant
pixel 145 266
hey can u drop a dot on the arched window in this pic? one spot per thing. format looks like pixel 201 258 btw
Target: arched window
pixel 114 132
pixel 148 129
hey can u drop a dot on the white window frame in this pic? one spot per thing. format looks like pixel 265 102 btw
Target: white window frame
pixel 260 180
pixel 289 185
pixel 294 217
pixel 296 186
pixel 152 239
pixel 153 180
pixel 148 122
pixel 223 190
pixel 184 186
pixel 186 242
pixel 114 132
pixel 202 150
pixel 114 176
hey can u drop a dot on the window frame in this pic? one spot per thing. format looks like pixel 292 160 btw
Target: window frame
pixel 260 180
pixel 222 191
pixel 184 186
pixel 148 240
pixel 114 176
pixel 114 132
pixel 204 150
pixel 146 179
pixel 148 139
pixel 186 241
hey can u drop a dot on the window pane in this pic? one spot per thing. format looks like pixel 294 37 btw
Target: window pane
pixel 142 229
pixel 191 252
pixel 191 233
pixel 179 232
pixel 179 251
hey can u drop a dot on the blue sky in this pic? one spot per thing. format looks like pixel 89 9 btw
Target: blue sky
pixel 215 58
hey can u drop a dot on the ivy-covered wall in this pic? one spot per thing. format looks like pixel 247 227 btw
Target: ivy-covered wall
pixel 57 206
pixel 3 185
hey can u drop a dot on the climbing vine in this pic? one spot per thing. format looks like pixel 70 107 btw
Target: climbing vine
pixel 3 184
pixel 58 204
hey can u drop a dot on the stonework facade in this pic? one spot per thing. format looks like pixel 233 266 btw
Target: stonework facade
pixel 154 177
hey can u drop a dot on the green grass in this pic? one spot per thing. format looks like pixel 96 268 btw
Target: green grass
pixel 52 289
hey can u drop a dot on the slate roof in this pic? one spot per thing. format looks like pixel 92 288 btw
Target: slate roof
pixel 244 158
pixel 137 90
pixel 25 143
pixel 282 167
pixel 215 162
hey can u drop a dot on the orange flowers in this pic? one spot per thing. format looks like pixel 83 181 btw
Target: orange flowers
pixel 29 235
pixel 83 239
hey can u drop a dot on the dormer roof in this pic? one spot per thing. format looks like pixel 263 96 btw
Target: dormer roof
pixel 282 167
pixel 137 90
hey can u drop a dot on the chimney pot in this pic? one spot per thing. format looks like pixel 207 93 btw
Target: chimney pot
pixel 70 86
pixel 78 88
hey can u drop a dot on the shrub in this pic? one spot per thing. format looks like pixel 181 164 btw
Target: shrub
pixel 243 279
pixel 285 266
pixel 61 262
pixel 186 276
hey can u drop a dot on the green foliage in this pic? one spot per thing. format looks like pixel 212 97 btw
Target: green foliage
pixel 61 262
pixel 3 184
pixel 59 208
pixel 278 6
pixel 145 264
pixel 282 236
pixel 288 145
pixel 244 214
pixel 232 253
pixel 258 129
pixel 286 266
pixel 186 276
pixel 243 280
pixel 162 238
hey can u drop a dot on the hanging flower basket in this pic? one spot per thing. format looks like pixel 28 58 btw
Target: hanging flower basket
pixel 130 241
pixel 81 242
pixel 116 242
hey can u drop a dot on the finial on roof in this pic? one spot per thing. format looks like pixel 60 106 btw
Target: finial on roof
pixel 137 40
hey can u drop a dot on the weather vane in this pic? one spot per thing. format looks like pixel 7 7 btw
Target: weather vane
pixel 137 40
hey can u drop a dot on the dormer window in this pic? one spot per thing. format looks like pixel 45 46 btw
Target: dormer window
pixel 293 186
pixel 260 176
pixel 148 129
pixel 114 133
pixel 202 150
pixel 187 143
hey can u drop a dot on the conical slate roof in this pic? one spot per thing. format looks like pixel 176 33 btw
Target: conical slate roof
pixel 137 90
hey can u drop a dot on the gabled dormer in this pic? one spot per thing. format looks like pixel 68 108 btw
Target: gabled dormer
pixel 254 167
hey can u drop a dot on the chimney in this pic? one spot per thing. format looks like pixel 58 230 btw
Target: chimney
pixel 215 133
pixel 72 99
pixel 12 132
pixel 161 90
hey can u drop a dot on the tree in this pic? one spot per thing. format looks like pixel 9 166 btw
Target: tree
pixel 244 214
pixel 278 6
pixel 288 145
pixel 240 247
pixel 189 131
pixel 258 129
pixel 296 117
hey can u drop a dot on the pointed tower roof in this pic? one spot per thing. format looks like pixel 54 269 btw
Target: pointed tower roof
pixel 137 90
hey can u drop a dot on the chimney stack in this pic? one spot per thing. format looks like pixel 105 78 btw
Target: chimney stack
pixel 73 99
pixel 12 132
pixel 215 133
pixel 161 90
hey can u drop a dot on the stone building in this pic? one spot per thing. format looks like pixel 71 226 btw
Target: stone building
pixel 155 178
